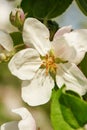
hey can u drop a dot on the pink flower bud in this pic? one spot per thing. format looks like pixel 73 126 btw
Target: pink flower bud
pixel 17 17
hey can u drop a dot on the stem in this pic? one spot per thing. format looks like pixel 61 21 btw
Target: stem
pixel 45 21
pixel 56 86
pixel 18 46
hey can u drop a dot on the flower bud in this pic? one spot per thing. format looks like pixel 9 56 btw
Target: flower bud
pixel 2 57
pixel 17 17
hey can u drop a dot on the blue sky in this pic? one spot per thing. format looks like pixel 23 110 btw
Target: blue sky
pixel 73 16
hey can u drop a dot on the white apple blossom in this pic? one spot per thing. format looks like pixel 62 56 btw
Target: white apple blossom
pixel 6 45
pixel 36 120
pixel 27 122
pixel 47 62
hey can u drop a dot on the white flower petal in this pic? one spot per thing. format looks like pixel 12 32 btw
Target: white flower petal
pixel 10 126
pixel 72 77
pixel 35 34
pixel 63 50
pixel 38 90
pixel 25 63
pixel 27 122
pixel 62 31
pixel 78 40
pixel 71 46
pixel 6 41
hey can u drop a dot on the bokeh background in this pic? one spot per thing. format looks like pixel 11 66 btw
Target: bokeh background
pixel 10 86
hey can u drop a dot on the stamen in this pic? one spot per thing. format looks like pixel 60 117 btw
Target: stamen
pixel 49 64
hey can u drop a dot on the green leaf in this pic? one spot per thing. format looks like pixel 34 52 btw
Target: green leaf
pixel 53 27
pixel 17 38
pixel 83 65
pixel 82 5
pixel 68 112
pixel 45 9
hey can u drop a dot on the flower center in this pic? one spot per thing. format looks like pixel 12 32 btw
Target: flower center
pixel 49 63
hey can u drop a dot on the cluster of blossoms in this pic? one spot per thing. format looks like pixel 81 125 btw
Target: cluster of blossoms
pixel 44 64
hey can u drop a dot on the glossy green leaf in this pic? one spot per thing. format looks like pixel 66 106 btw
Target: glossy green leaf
pixel 82 5
pixel 68 112
pixel 53 27
pixel 45 9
